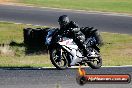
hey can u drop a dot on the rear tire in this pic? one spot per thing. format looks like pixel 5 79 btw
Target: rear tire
pixel 96 62
pixel 96 66
pixel 57 63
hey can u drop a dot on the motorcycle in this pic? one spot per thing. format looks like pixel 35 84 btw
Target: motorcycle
pixel 65 53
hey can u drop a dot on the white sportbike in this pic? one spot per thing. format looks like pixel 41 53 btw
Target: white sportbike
pixel 65 53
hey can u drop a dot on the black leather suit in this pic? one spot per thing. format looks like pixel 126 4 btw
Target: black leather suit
pixel 75 33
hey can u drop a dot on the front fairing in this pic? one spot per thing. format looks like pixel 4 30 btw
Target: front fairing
pixel 49 36
pixel 67 42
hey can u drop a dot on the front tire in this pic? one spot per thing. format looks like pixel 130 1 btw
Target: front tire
pixel 59 63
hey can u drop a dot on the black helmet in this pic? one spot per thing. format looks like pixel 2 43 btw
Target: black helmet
pixel 63 20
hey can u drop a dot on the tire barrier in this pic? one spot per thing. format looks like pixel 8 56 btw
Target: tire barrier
pixel 34 40
pixel 35 37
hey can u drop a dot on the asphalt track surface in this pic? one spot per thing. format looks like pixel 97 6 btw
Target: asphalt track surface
pixel 49 17
pixel 52 78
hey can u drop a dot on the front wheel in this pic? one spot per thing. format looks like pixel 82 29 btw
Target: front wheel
pixel 58 59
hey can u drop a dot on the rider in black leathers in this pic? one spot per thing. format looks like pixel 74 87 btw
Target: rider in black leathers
pixel 77 35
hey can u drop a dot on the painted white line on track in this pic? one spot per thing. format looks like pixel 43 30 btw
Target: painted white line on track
pixel 11 22
pixel 51 27
pixel 29 24
pixel 18 23
pixel 119 66
pixel 37 25
pixel 89 67
pixel 5 21
pixel 22 23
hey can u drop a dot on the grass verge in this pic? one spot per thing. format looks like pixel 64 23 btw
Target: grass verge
pixel 14 56
pixel 120 6
pixel 117 49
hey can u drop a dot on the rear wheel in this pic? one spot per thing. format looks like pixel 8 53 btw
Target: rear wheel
pixel 95 62
pixel 58 59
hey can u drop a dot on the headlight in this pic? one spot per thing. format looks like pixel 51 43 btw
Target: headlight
pixel 48 40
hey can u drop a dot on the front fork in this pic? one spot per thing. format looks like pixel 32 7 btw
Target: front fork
pixel 59 53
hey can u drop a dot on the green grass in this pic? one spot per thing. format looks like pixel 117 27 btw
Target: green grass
pixel 16 58
pixel 121 6
pixel 25 61
pixel 117 49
